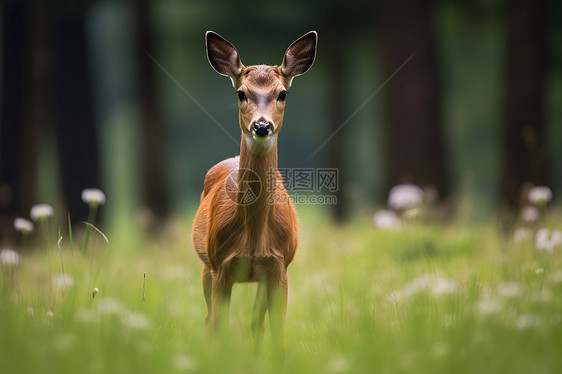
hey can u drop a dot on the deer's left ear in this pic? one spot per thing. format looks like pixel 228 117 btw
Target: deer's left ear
pixel 299 56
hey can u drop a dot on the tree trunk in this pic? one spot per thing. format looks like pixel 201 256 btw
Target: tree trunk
pixel 153 176
pixel 525 145
pixel 37 111
pixel 14 48
pixel 414 134
pixel 336 59
pixel 75 122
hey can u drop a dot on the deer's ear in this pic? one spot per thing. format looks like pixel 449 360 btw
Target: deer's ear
pixel 300 56
pixel 223 56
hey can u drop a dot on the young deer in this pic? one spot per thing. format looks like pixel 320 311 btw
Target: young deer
pixel 246 228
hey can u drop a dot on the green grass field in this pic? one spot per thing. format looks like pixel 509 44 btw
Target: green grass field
pixel 426 299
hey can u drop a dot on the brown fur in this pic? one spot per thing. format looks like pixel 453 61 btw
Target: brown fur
pixel 255 242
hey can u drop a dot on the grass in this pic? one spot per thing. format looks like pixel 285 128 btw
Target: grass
pixel 424 299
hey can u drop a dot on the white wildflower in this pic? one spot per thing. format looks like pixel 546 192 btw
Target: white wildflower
pixel 405 196
pixel 489 306
pixel 430 283
pixel 386 219
pixel 30 311
pixel 135 320
pixel 417 285
pixel 539 271
pixel 93 196
pixel 50 314
pixel 540 195
pixel 556 238
pixel 522 233
pixel 9 257
pixel 548 240
pixel 530 214
pixel 338 364
pixel 110 305
pixel 113 308
pixel 41 211
pixel 61 281
pixel 95 292
pixel 183 362
pixel 445 286
pixel 525 321
pixel 23 225
pixel 541 238
pixel 509 289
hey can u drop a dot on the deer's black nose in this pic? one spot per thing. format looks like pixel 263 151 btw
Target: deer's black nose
pixel 262 128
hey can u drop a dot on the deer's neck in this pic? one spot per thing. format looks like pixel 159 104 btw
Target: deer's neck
pixel 256 180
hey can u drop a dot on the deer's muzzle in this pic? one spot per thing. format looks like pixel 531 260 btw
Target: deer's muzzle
pixel 262 128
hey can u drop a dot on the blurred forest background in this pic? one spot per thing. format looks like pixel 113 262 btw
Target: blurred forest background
pixel 464 96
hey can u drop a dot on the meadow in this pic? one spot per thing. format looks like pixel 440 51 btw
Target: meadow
pixel 425 298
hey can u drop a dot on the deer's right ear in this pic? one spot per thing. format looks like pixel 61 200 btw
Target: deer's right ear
pixel 223 56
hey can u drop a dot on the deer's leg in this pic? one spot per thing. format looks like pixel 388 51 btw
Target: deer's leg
pixel 258 315
pixel 220 300
pixel 277 291
pixel 208 291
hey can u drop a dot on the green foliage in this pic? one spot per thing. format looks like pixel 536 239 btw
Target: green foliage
pixel 424 299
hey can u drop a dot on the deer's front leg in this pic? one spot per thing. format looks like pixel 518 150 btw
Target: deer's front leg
pixel 258 315
pixel 277 291
pixel 222 289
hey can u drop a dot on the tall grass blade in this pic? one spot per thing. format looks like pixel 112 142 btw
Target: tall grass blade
pixel 59 241
pixel 98 230
pixel 70 236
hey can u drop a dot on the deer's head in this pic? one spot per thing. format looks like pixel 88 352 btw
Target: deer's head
pixel 261 88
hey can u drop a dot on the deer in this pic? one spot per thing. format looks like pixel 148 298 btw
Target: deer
pixel 246 226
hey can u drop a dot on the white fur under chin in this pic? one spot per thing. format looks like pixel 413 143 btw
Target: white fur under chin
pixel 259 145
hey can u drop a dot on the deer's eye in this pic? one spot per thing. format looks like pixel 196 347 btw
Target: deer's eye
pixel 282 96
pixel 241 96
